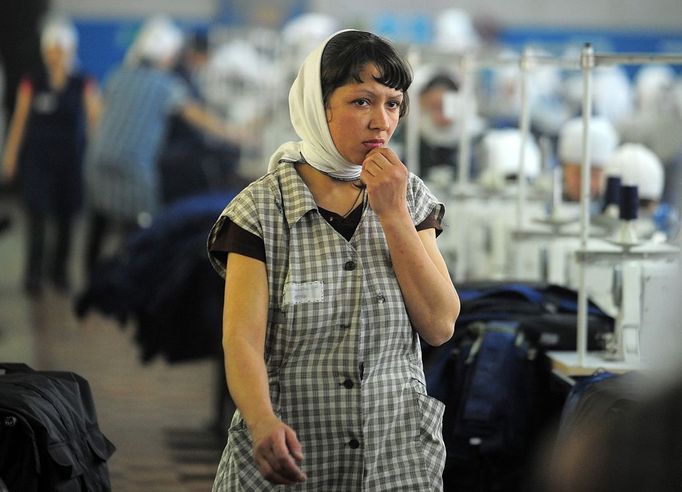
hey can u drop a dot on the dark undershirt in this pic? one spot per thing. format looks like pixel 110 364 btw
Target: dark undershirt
pixel 241 241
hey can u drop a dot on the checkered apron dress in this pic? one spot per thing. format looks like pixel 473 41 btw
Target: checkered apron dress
pixel 343 361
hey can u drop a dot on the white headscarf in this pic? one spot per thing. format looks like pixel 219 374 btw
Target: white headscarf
pixel 309 120
pixel 159 39
pixel 61 32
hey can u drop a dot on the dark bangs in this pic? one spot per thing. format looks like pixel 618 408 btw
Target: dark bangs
pixel 347 53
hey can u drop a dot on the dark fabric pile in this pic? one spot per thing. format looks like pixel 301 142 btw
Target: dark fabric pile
pixel 546 313
pixel 49 435
pixel 162 279
pixel 495 381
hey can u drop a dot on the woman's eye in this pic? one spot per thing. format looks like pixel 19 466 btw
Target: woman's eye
pixel 394 104
pixel 361 102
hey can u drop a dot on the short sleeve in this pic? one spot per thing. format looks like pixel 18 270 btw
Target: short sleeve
pixel 432 221
pixel 241 211
pixel 89 84
pixel 25 85
pixel 425 208
pixel 238 240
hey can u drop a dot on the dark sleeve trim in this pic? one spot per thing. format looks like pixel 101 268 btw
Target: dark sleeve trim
pixel 433 220
pixel 238 240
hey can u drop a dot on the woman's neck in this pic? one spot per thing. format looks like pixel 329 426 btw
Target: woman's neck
pixel 329 193
pixel 58 76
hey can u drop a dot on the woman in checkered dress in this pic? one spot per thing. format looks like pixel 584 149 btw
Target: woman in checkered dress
pixel 332 272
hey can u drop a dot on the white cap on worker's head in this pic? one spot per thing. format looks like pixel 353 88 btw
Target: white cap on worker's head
pixel 240 60
pixel 638 166
pixel 500 151
pixel 651 82
pixel 306 31
pixel 612 93
pixel 603 141
pixel 454 31
pixel 300 36
pixel 158 40
pixel 61 32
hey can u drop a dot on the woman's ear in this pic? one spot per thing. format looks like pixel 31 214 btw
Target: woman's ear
pixel 328 112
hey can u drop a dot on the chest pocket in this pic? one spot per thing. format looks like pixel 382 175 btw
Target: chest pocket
pixel 45 102
pixel 310 312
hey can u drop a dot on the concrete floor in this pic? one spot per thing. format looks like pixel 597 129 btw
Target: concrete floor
pixel 157 415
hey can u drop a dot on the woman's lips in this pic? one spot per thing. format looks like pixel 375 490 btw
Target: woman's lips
pixel 373 144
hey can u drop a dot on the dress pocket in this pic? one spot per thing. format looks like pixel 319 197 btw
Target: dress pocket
pixel 237 469
pixel 430 417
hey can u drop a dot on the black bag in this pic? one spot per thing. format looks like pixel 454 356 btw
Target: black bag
pixel 495 380
pixel 617 432
pixel 600 398
pixel 494 383
pixel 49 435
pixel 546 313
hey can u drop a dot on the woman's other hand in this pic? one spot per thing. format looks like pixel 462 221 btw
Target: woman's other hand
pixel 277 452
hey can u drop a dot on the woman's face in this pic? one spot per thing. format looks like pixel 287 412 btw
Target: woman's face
pixel 363 116
pixel 55 55
pixel 572 181
pixel 432 106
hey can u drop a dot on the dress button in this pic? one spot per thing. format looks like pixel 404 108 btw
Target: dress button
pixel 381 299
pixel 348 384
pixel 354 444
pixel 345 326
pixel 349 265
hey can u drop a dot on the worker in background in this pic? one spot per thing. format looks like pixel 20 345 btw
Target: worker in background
pixel 656 121
pixel 454 31
pixel 603 140
pixel 55 106
pixel 19 53
pixel 122 176
pixel 191 162
pixel 20 22
pixel 498 155
pixel 636 165
pixel 303 33
pixel 613 94
pixel 488 235
pixel 444 114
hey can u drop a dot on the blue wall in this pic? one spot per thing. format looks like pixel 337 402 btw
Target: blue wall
pixel 103 43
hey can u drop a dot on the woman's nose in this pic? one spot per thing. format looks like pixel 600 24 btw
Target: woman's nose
pixel 380 119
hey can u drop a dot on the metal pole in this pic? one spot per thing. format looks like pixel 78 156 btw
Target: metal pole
pixel 524 125
pixel 587 64
pixel 464 156
pixel 412 124
pixel 637 59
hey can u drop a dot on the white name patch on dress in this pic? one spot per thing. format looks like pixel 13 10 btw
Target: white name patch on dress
pixel 302 292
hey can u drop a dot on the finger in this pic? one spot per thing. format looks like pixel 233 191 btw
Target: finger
pixel 377 158
pixel 283 462
pixel 386 153
pixel 368 169
pixel 271 466
pixel 273 476
pixel 287 468
pixel 294 445
pixel 376 165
